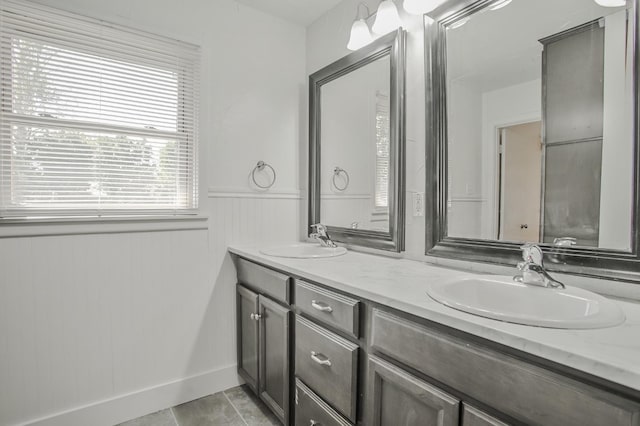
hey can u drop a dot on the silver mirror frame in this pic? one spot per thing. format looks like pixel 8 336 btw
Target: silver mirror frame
pixel 393 45
pixel 600 263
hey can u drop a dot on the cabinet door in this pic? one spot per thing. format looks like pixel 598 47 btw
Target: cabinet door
pixel 274 383
pixel 471 416
pixel 396 398
pixel 247 328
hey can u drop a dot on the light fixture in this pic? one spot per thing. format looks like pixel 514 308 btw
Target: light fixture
pixel 360 34
pixel 611 3
pixel 459 23
pixel 387 18
pixel 499 4
pixel 420 7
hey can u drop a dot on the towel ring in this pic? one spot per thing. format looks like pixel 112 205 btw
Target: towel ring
pixel 337 172
pixel 260 167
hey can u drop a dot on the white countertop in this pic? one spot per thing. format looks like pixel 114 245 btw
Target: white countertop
pixel 610 353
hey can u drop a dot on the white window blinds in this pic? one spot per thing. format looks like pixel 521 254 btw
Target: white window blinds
pixel 382 151
pixel 95 119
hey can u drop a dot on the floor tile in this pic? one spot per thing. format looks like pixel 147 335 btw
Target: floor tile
pixel 212 410
pixel 161 418
pixel 252 410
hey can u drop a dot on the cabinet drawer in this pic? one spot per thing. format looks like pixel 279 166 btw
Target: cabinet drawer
pixel 332 308
pixel 311 410
pixel 524 392
pixel 264 280
pixel 328 364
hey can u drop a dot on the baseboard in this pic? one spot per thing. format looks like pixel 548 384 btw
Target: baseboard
pixel 135 404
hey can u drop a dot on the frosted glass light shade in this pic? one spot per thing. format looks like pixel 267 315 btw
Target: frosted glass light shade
pixel 500 4
pixel 360 35
pixel 387 18
pixel 459 23
pixel 420 7
pixel 611 3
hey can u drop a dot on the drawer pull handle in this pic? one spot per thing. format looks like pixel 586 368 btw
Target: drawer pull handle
pixel 320 359
pixel 255 317
pixel 321 306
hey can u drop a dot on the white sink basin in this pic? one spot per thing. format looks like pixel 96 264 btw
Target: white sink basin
pixel 499 297
pixel 304 251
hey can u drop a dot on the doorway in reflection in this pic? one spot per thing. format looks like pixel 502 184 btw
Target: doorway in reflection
pixel 519 179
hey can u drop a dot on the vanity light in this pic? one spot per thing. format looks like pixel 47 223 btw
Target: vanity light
pixel 502 3
pixel 459 23
pixel 611 3
pixel 420 7
pixel 360 35
pixel 387 18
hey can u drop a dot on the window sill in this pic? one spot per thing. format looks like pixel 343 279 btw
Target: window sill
pixel 34 227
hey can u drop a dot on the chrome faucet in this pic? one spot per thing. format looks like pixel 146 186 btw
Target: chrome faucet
pixel 322 235
pixel 532 271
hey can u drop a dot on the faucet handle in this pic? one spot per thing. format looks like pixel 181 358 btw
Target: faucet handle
pixel 319 228
pixel 532 253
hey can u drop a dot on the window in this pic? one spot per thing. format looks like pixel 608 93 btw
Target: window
pixel 382 152
pixel 95 119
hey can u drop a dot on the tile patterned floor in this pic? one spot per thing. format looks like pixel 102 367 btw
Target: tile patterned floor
pixel 234 407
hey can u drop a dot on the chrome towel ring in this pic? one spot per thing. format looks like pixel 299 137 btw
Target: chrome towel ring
pixel 260 167
pixel 337 171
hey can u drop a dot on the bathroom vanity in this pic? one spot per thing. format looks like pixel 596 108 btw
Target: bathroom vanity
pixel 355 339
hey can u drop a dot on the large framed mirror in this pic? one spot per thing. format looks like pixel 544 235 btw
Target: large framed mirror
pixel 356 145
pixel 532 133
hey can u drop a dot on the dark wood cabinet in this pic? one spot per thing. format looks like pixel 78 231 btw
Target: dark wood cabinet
pixel 313 410
pixel 397 398
pixel 263 349
pixel 248 339
pixel 472 416
pixel 274 340
pixel 361 363
pixel 497 379
pixel 328 364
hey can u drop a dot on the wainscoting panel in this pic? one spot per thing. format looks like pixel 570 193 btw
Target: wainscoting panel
pixel 91 321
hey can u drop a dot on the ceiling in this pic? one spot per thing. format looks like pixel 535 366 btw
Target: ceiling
pixel 500 48
pixel 302 12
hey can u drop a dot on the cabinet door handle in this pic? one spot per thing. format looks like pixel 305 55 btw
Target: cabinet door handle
pixel 321 306
pixel 314 423
pixel 255 317
pixel 320 359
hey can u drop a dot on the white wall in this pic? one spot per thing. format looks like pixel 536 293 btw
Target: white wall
pixel 465 171
pixel 100 328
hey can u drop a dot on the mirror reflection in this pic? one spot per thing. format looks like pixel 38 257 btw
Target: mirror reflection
pixel 540 124
pixel 355 154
